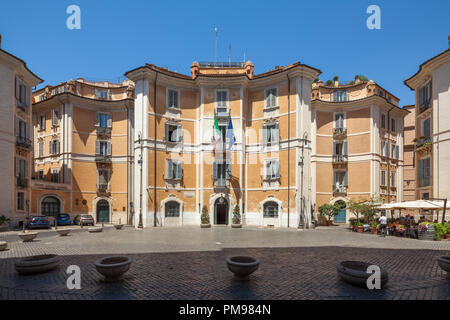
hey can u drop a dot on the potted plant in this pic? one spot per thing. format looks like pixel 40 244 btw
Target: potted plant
pixel 401 229
pixel 236 217
pixel 329 211
pixel 447 227
pixel 374 227
pixel 359 226
pixel 440 231
pixel 3 222
pixel 205 218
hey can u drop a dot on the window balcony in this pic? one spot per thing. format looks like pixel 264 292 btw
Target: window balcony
pixel 339 190
pixel 101 158
pixel 221 183
pixel 339 133
pixel 23 143
pixel 104 132
pixel 222 112
pixel 22 182
pixel 424 107
pixel 340 159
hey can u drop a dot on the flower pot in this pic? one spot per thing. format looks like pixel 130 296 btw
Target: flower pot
pixel 242 267
pixel 444 263
pixel 329 223
pixel 3 245
pixel 205 225
pixel 374 230
pixel 360 229
pixel 237 226
pixel 113 268
pixel 447 236
pixel 355 273
pixel 95 229
pixel 63 233
pixel 27 236
pixel 37 264
pixel 118 226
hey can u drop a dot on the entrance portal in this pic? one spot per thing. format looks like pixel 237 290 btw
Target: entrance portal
pixel 102 211
pixel 221 211
pixel 341 217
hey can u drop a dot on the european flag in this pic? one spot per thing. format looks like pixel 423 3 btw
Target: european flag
pixel 230 134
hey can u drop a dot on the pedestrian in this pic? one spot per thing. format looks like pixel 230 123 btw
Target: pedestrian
pixel 383 224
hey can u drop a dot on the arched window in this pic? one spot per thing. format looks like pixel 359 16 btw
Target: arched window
pixel 50 206
pixel 270 209
pixel 172 209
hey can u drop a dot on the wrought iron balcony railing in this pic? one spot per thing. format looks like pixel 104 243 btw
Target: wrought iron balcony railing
pixel 22 182
pixel 101 158
pixel 340 158
pixel 102 131
pixel 23 142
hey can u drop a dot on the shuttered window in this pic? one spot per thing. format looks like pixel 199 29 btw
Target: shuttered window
pixel 221 171
pixel 272 169
pixel 173 169
pixel 271 133
pixel 426 128
pixel 222 98
pixel 172 99
pixel 173 133
pixel 55 117
pixel 340 96
pixel 271 97
pixel 383 178
pixel 425 95
pixel 339 120
pixel 393 179
pixel 424 172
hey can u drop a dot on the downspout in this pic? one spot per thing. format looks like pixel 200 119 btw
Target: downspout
pixel 154 151
pixel 388 156
pixel 289 148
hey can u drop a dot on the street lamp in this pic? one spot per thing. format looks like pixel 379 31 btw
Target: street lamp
pixel 301 219
pixel 140 224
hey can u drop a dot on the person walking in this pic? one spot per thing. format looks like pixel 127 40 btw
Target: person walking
pixel 383 224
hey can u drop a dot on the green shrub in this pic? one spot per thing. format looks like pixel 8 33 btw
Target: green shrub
pixel 439 231
pixel 205 216
pixel 236 215
pixel 4 220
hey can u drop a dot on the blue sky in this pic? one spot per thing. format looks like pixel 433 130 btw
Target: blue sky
pixel 331 35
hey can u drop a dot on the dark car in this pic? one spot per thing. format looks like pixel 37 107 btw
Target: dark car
pixel 85 219
pixel 38 222
pixel 63 219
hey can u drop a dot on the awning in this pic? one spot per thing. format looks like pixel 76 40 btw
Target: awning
pixel 416 204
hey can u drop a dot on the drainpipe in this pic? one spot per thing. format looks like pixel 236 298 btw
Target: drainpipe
pixel 154 151
pixel 388 156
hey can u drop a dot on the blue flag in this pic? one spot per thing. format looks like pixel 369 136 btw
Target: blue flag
pixel 230 134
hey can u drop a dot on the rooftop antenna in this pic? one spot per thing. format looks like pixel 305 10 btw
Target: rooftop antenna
pixel 244 56
pixel 229 53
pixel 217 34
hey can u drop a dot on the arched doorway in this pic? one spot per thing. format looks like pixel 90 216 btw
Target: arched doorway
pixel 50 206
pixel 221 211
pixel 341 217
pixel 102 211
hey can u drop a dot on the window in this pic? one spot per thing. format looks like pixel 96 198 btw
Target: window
pixel 393 180
pixel 41 175
pixel 103 178
pixel 50 206
pixel 340 96
pixel 381 93
pixel 174 132
pixel 172 209
pixel 221 171
pixel 384 148
pixel 103 120
pixel 395 151
pixel 271 97
pixel 271 133
pixel 270 209
pixel 172 99
pixel 340 148
pixel 55 118
pixel 222 103
pixel 383 178
pixel 426 196
pixel 20 201
pixel 424 172
pixel 272 170
pixel 103 148
pixel 54 175
pixel 339 120
pixel 42 97
pixel 340 181
pixel 426 128
pixel 173 169
pixel 42 122
pixel 41 149
pixel 425 96
pixel 54 147
pixel 21 171
pixel 383 121
pixel 22 134
pixel 393 124
pixel 102 94
pixel 22 94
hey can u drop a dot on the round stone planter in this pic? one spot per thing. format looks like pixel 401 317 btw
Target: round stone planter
pixel 118 226
pixel 3 245
pixel 113 268
pixel 444 263
pixel 236 226
pixel 95 229
pixel 355 273
pixel 37 264
pixel 242 267
pixel 27 236
pixel 63 233
pixel 206 225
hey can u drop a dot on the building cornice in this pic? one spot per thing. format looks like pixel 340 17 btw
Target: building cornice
pixel 20 67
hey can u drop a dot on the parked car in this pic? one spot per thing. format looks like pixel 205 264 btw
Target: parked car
pixel 86 219
pixel 38 222
pixel 63 219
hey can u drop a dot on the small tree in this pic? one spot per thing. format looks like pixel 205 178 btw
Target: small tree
pixel 368 209
pixel 4 220
pixel 329 83
pixel 236 215
pixel 329 210
pixel 205 215
pixel 356 208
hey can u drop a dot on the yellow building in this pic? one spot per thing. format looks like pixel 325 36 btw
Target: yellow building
pixel 357 145
pixel 83 156
pixel 266 171
pixel 16 82
pixel 431 85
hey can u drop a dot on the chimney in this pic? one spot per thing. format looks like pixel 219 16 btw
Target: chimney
pixel 1 40
pixel 448 40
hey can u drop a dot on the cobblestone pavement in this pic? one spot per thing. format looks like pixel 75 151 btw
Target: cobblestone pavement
pixel 189 263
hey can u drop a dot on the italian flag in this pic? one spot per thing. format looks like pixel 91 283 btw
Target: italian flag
pixel 216 132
